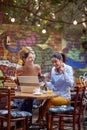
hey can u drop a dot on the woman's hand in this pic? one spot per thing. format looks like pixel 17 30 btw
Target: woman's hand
pixel 62 69
pixel 42 84
pixel 46 75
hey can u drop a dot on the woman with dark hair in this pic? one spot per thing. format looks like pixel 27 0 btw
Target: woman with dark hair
pixel 28 68
pixel 60 82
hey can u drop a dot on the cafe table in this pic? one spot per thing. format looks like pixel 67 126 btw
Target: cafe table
pixel 41 96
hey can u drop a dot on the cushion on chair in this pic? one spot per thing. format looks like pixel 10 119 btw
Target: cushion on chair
pixel 35 106
pixel 3 112
pixel 16 114
pixel 13 104
pixel 61 109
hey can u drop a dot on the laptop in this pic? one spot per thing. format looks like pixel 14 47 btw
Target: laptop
pixel 28 83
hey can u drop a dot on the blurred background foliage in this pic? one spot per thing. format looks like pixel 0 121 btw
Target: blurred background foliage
pixel 56 14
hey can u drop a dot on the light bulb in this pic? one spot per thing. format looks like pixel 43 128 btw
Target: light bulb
pixel 13 20
pixel 75 22
pixel 44 31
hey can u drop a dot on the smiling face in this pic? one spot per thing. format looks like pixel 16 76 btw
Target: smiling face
pixel 29 59
pixel 56 62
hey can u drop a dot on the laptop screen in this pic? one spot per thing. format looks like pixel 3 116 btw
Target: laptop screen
pixel 28 80
pixel 28 83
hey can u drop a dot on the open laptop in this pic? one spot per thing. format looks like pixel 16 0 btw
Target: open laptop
pixel 28 83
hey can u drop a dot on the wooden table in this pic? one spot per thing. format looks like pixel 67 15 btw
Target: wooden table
pixel 42 96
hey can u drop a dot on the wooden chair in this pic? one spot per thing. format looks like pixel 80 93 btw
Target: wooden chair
pixel 84 121
pixel 8 82
pixel 72 112
pixel 7 114
pixel 77 81
pixel 2 80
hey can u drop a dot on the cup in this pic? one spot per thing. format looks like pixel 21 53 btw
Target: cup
pixel 37 90
pixel 49 91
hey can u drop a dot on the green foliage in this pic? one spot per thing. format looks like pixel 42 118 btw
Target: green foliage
pixel 53 12
pixel 55 1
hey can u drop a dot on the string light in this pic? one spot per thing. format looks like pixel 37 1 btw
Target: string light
pixel 44 31
pixel 83 19
pixel 75 22
pixel 13 20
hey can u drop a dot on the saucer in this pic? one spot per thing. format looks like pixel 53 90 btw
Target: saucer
pixel 37 93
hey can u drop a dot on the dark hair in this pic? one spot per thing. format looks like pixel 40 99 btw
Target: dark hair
pixel 56 55
pixel 63 57
pixel 24 56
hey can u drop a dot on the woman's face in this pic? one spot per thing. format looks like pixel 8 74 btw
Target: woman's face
pixel 30 59
pixel 56 62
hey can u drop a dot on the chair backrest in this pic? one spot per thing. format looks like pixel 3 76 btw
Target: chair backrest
pixel 10 83
pixel 2 80
pixel 77 97
pixel 5 101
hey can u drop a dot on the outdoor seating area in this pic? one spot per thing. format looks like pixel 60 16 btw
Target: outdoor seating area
pixel 9 114
pixel 72 112
pixel 59 116
pixel 43 64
